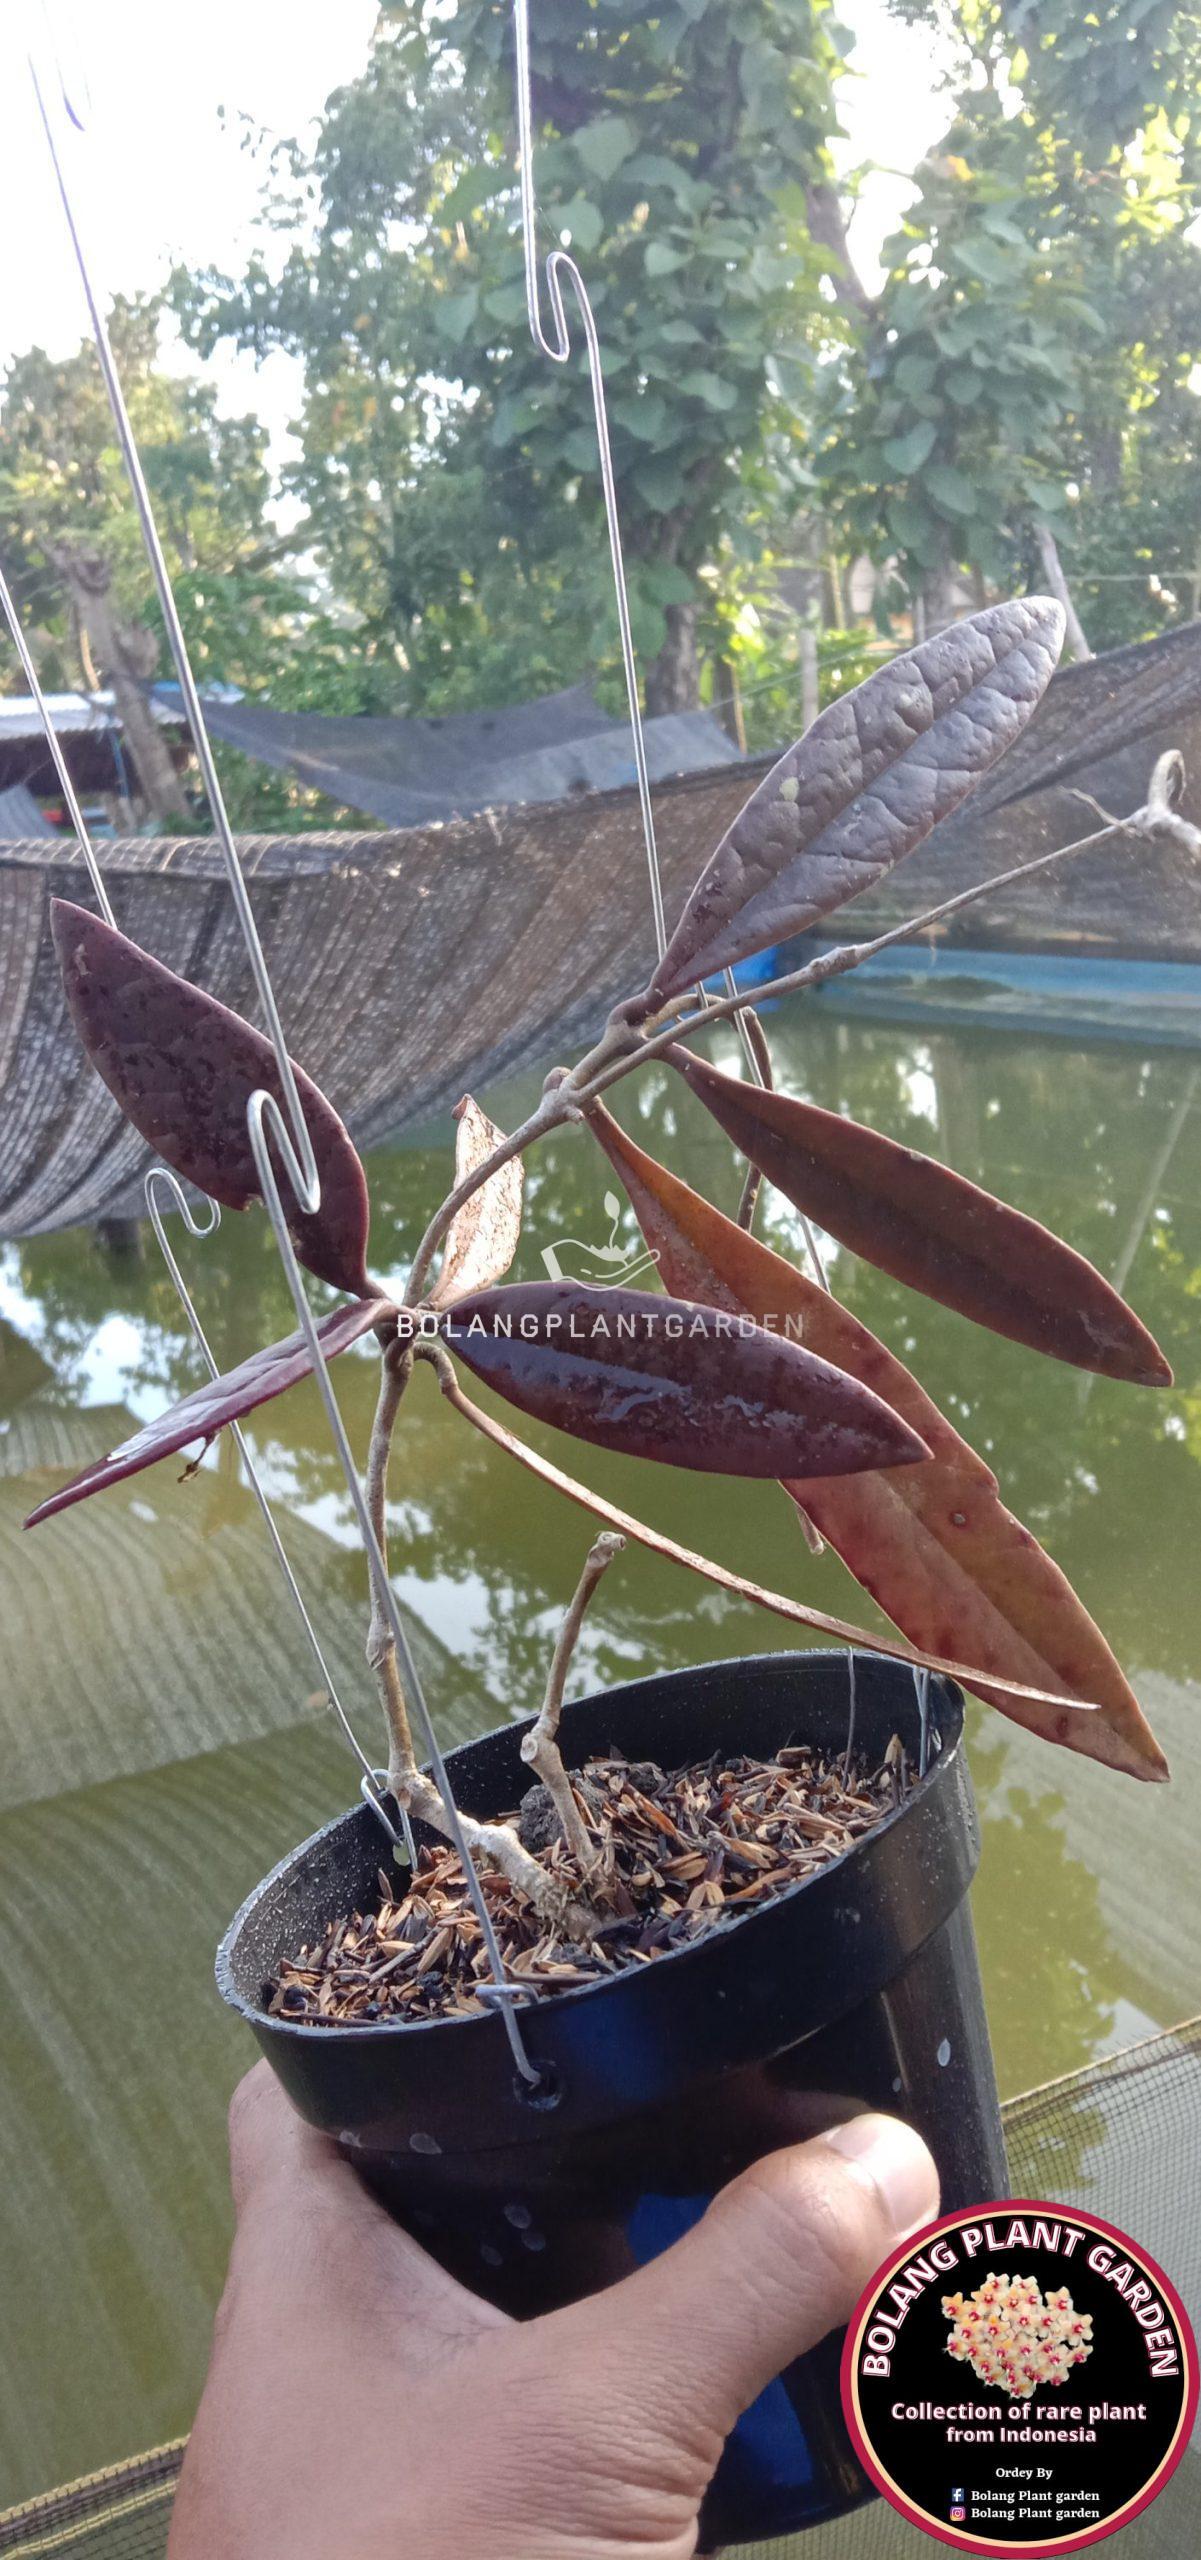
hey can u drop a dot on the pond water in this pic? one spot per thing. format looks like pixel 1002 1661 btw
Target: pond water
pixel 164 1741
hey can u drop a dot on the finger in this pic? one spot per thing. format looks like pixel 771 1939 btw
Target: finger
pixel 300 2199
pixel 779 2259
pixel 269 2142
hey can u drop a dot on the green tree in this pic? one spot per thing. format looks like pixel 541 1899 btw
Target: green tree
pixel 73 553
pixel 1025 382
pixel 449 470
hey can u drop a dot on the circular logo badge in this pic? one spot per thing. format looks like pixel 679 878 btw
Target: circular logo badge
pixel 1020 2377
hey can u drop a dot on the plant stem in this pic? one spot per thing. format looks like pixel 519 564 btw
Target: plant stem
pixel 758 1059
pixel 1048 552
pixel 409 1784
pixel 396 1368
pixel 541 1745
pixel 741 1587
pixel 620 1048
pixel 834 962
pixel 497 1841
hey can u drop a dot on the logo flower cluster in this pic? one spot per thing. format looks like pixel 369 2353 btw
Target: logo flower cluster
pixel 1014 2337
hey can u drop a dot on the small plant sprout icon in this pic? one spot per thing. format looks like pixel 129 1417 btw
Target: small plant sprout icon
pixel 605 1266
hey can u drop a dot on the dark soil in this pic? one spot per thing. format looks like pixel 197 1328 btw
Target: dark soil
pixel 676 1855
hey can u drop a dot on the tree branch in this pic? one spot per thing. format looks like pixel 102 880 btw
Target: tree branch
pixel 828 230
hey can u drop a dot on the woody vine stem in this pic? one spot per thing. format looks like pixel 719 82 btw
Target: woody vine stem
pixel 566 1097
pixel 621 1047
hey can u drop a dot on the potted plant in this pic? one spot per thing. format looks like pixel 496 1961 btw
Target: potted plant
pixel 733 1900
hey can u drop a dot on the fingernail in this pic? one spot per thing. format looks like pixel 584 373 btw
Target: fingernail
pixel 890 2157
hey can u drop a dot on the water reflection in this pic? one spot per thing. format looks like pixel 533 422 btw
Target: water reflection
pixel 162 1743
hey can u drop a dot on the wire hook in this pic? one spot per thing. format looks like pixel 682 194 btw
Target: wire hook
pixel 292 1136
pixel 263 1122
pixel 161 1181
pixel 562 272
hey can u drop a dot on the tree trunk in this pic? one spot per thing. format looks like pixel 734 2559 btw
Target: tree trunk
pixel 727 701
pixel 1048 552
pixel 940 597
pixel 828 231
pixel 123 658
pixel 673 679
pixel 810 692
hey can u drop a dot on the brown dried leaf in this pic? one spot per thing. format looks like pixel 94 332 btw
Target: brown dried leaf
pixel 1075 1712
pixel 485 1235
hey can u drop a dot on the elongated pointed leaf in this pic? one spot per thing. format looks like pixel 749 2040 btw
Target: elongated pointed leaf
pixel 876 771
pixel 486 1233
pixel 934 1544
pixel 183 1068
pixel 739 1585
pixel 659 1378
pixel 220 1400
pixel 929 1227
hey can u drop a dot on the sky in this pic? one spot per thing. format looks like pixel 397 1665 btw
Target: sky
pixel 161 173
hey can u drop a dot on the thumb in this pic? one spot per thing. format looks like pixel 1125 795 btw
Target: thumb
pixel 779 2259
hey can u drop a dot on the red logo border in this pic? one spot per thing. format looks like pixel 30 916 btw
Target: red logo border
pixel 939 2532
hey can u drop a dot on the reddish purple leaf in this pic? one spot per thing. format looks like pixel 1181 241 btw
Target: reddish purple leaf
pixel 876 771
pixel 220 1400
pixel 934 1544
pixel 183 1068
pixel 930 1228
pixel 660 1378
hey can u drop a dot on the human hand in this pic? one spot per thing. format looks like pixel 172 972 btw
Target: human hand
pixel 361 2405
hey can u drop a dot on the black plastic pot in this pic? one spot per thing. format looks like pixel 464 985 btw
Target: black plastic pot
pixel 856 1989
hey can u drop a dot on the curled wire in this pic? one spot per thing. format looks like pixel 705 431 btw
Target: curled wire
pixel 293 1138
pixel 161 1184
pixel 563 275
pixel 290 1137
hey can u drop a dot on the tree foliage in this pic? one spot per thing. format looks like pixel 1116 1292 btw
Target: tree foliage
pixel 249 617
pixel 1026 373
pixel 62 480
pixel 449 470
pixel 1030 363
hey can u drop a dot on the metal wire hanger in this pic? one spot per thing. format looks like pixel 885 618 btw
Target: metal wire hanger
pixel 562 272
pixel 274 1136
pixel 160 1184
pixel 269 1133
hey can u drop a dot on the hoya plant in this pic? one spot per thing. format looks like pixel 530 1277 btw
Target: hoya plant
pixel 742 1364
